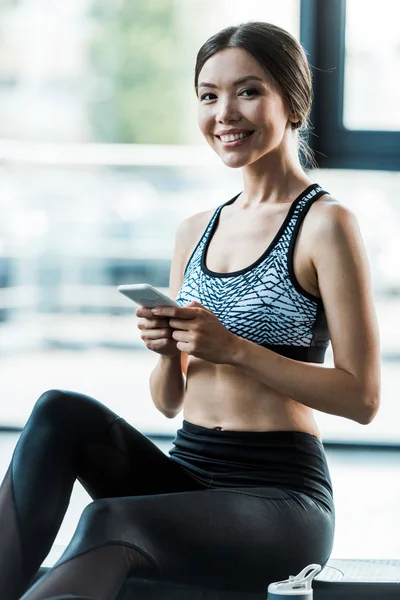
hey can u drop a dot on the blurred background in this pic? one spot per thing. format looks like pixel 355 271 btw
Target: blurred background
pixel 100 160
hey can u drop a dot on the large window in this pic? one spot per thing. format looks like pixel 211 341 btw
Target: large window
pixel 355 53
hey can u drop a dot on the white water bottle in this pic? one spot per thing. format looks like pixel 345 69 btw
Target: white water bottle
pixel 297 587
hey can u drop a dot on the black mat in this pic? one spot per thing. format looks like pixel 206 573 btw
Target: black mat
pixel 341 579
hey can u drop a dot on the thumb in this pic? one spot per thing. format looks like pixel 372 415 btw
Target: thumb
pixel 194 304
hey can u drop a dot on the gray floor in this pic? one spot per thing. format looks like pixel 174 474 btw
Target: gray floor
pixel 367 496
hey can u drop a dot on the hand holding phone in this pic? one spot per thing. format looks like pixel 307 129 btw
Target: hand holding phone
pixel 155 331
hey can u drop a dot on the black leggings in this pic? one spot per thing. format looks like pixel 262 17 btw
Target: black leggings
pixel 199 517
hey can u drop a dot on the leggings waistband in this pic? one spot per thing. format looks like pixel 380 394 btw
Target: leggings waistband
pixel 262 437
pixel 223 458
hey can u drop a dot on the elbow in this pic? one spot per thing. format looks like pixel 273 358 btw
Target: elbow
pixel 171 414
pixel 169 411
pixel 369 407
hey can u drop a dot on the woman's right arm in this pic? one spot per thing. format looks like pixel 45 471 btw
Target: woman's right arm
pixel 167 386
pixel 167 381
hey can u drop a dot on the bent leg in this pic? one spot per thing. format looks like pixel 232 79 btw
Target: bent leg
pixel 217 538
pixel 70 436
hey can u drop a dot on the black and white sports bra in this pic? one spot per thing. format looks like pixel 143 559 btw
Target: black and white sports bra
pixel 263 303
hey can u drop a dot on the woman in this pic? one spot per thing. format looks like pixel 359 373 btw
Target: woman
pixel 264 282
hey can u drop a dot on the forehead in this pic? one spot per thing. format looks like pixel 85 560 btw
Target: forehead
pixel 230 64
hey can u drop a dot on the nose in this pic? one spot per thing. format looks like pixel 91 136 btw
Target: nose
pixel 228 111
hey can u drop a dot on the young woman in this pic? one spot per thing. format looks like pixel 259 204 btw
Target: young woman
pixel 263 283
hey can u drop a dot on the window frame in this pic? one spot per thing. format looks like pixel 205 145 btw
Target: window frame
pixel 322 33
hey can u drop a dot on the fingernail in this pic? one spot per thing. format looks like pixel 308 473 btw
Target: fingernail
pixel 154 311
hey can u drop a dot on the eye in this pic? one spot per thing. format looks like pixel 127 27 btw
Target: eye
pixel 207 96
pixel 250 92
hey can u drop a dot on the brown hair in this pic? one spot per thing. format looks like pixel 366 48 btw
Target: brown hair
pixel 280 55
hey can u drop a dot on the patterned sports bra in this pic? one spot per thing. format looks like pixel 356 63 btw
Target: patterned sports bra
pixel 263 303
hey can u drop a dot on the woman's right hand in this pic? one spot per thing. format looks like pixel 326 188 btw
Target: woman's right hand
pixel 156 333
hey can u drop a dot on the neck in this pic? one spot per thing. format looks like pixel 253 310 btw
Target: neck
pixel 276 177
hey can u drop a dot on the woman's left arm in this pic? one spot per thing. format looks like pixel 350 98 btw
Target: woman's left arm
pixel 352 388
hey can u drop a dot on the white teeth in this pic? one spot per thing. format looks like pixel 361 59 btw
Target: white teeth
pixel 233 137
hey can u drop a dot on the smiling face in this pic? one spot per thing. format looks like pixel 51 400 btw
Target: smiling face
pixel 241 112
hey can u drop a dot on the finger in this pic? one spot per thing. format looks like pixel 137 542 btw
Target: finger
pixel 179 312
pixel 159 345
pixel 142 311
pixel 184 347
pixel 183 324
pixel 156 334
pixel 153 323
pixel 181 336
pixel 194 304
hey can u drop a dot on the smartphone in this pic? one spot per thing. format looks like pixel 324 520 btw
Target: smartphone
pixel 146 295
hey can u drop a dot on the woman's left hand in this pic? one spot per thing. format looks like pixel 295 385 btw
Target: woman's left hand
pixel 199 332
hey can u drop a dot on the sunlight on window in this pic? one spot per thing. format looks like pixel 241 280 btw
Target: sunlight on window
pixel 372 83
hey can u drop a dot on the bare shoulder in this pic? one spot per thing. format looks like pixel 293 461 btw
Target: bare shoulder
pixel 190 230
pixel 328 214
pixel 330 222
pixel 189 234
pixel 187 237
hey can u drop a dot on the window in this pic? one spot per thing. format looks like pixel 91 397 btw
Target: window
pixel 355 52
pixel 372 65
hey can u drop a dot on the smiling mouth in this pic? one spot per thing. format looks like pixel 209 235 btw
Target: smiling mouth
pixel 229 138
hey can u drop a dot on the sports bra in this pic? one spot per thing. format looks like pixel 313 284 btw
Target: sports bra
pixel 264 302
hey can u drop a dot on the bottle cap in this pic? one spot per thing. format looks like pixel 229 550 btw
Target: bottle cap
pixel 297 587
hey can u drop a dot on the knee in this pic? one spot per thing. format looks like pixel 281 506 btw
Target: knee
pixel 106 522
pixel 102 514
pixel 56 407
pixel 51 401
pixel 101 523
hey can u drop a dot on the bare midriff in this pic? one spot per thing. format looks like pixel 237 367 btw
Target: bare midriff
pixel 223 397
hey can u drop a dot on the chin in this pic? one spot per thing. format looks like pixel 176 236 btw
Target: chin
pixel 235 163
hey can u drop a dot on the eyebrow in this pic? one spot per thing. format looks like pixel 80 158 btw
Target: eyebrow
pixel 240 80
